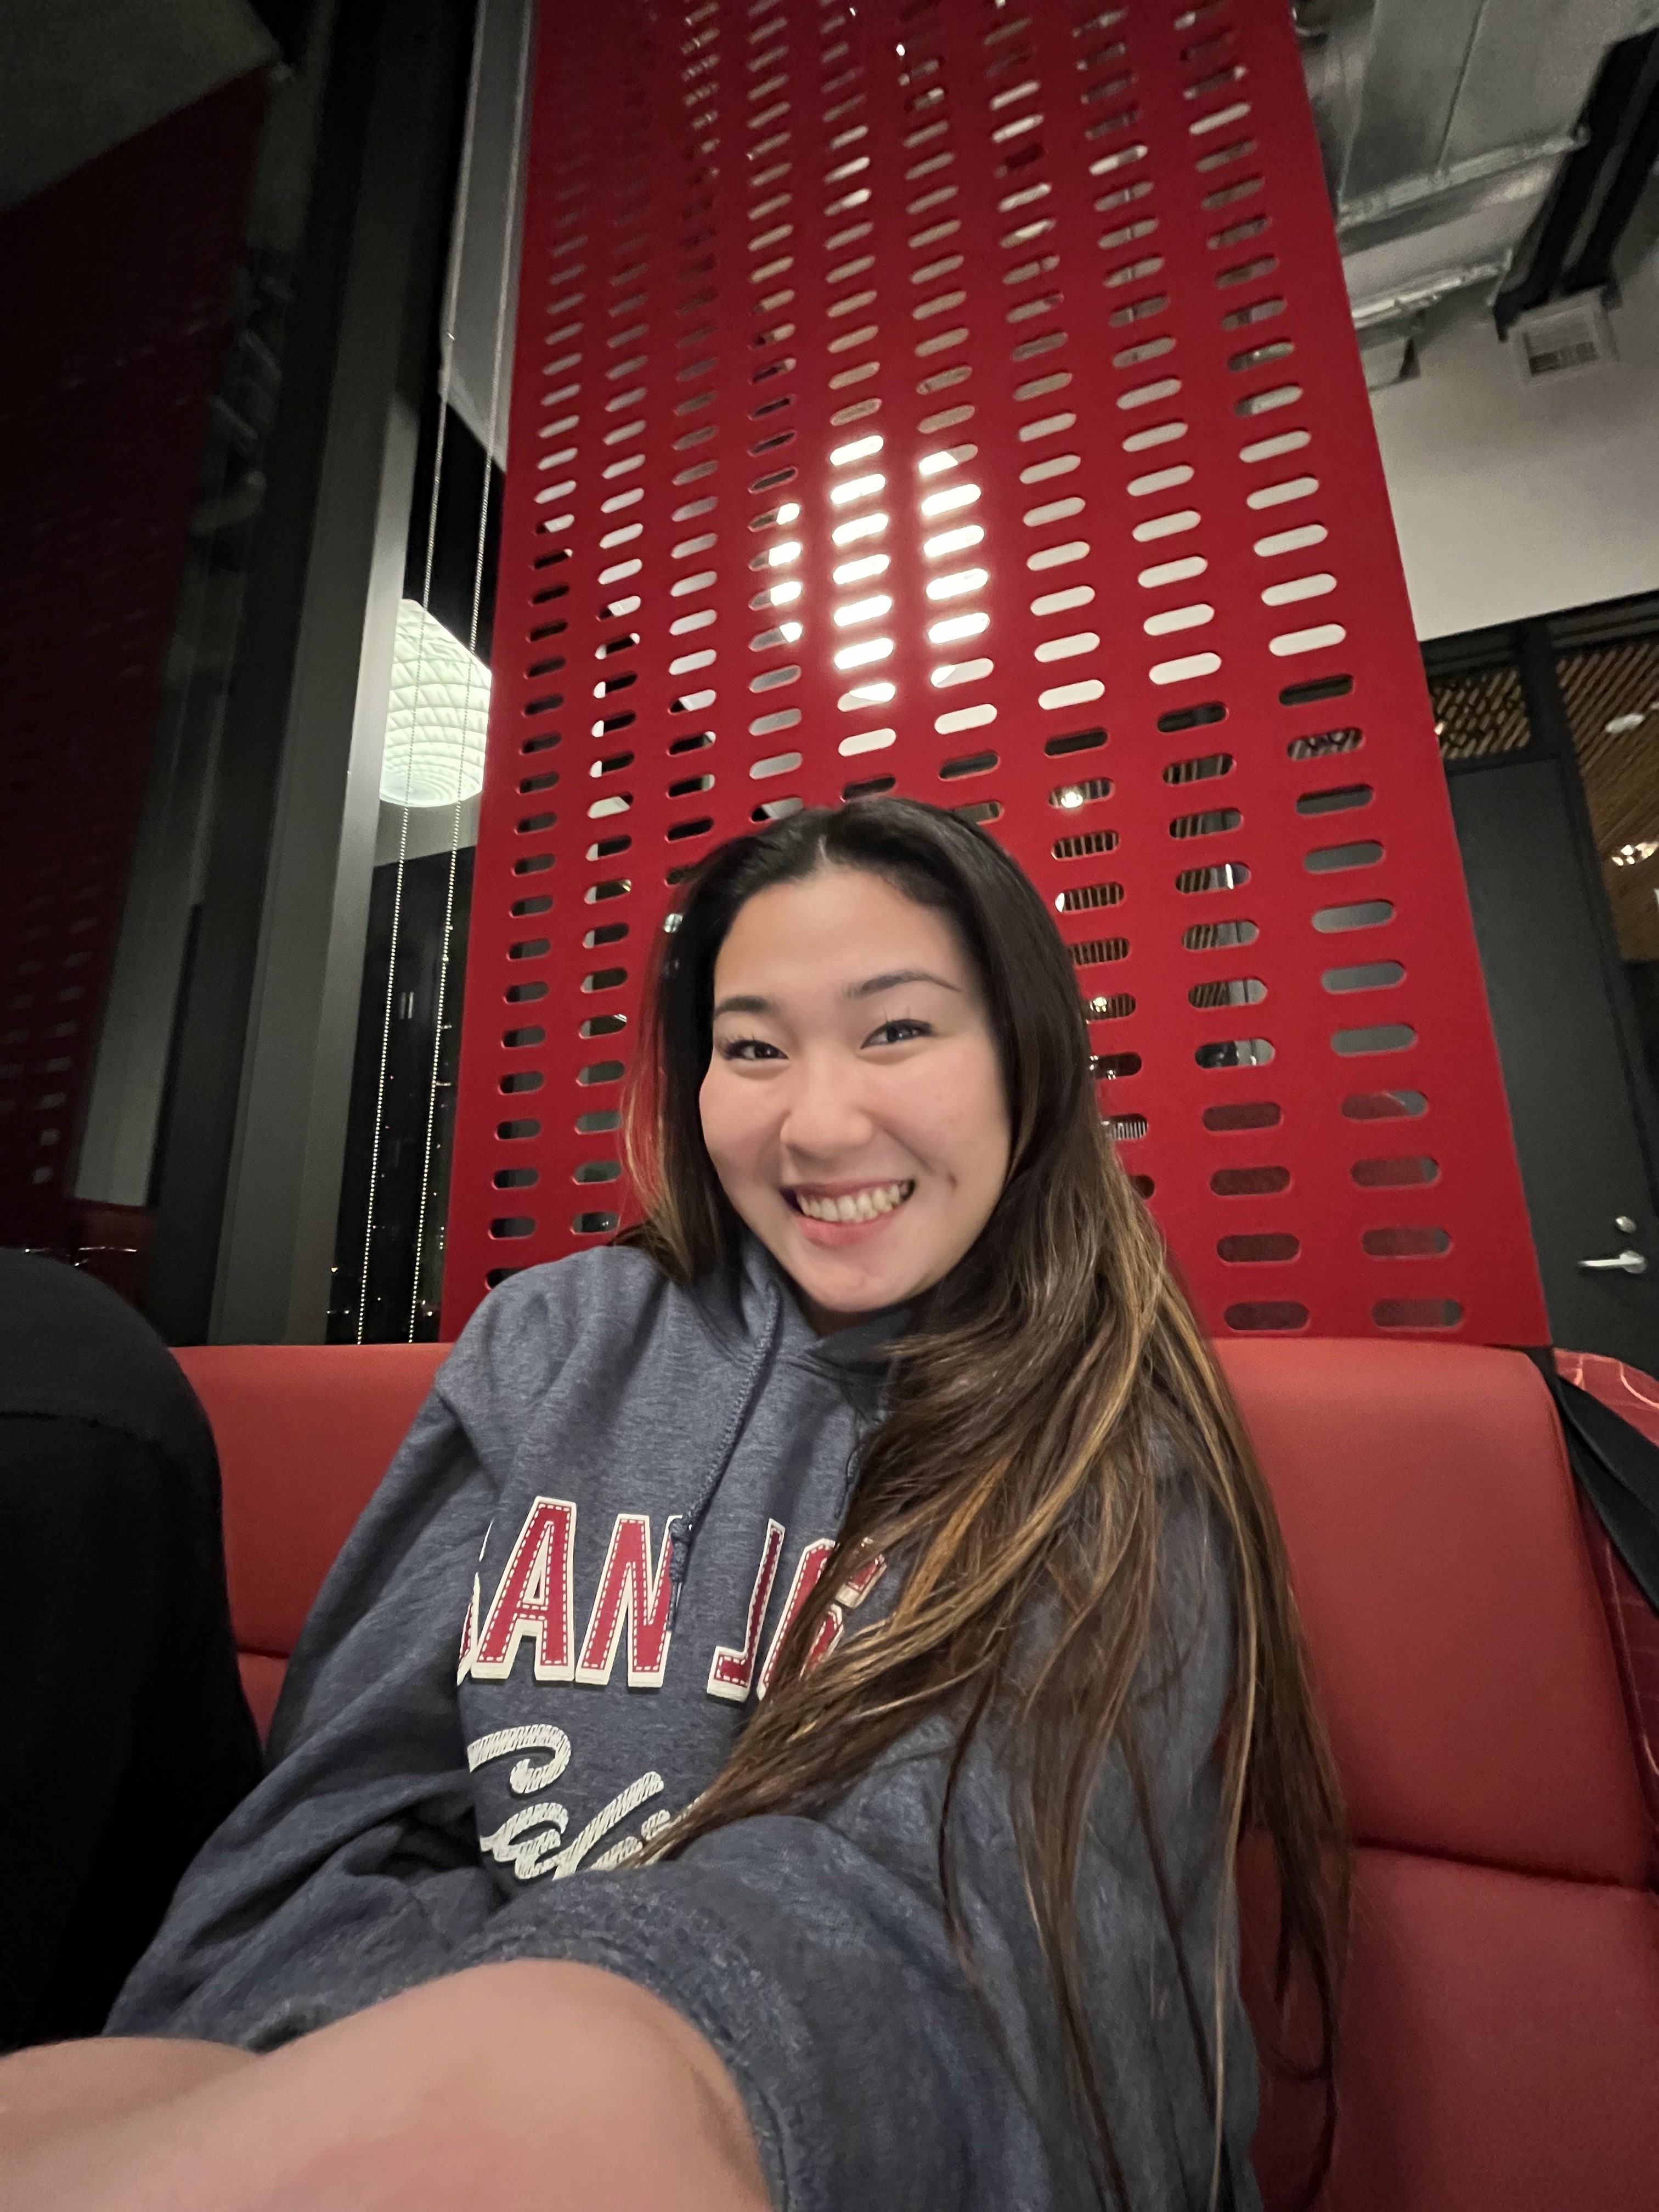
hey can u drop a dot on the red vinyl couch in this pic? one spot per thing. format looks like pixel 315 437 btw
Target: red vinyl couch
pixel 1501 2032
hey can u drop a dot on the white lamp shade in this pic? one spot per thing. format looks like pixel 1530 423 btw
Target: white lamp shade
pixel 434 734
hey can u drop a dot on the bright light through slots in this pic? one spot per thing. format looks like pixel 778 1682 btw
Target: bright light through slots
pixel 953 586
pixel 863 611
pixel 855 572
pixel 952 541
pixel 959 583
pixel 859 656
pixel 867 525
pixel 948 501
pixel 856 490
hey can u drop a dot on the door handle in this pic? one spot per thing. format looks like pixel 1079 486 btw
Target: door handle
pixel 1627 1262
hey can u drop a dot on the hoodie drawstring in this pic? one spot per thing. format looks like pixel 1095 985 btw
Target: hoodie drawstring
pixel 683 1527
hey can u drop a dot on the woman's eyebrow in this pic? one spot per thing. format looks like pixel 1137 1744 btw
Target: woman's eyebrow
pixel 890 981
pixel 744 1002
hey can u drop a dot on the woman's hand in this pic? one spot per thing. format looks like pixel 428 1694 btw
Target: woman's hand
pixel 535 2083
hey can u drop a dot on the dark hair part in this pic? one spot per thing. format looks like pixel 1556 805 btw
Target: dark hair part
pixel 1017 1461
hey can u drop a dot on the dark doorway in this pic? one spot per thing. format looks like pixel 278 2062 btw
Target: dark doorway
pixel 1549 730
pixel 388 1256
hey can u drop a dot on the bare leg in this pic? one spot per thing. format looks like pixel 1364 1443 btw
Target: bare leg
pixel 533 2084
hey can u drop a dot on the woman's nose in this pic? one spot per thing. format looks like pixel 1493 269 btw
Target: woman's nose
pixel 827 1112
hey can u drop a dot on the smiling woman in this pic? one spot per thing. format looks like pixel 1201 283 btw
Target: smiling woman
pixel 853 1105
pixel 873 1843
pixel 864 1047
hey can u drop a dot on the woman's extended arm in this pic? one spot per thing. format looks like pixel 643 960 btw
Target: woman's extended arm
pixel 813 1955
pixel 61 2089
pixel 784 2000
pixel 532 2083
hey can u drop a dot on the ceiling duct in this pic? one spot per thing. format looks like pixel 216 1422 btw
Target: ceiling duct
pixel 1443 126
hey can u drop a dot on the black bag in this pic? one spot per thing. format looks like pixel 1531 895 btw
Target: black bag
pixel 1618 1470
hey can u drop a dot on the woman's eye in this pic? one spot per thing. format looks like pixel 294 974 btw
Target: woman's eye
pixel 900 1032
pixel 749 1048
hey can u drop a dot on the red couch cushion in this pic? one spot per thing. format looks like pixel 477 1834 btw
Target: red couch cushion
pixel 1459 1640
pixel 1461 1644
pixel 1500 2045
pixel 305 1432
pixel 1501 2021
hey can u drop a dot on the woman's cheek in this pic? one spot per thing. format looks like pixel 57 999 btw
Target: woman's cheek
pixel 737 1132
pixel 956 1116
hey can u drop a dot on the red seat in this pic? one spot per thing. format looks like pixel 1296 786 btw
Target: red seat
pixel 305 1432
pixel 1501 2025
pixel 1502 2028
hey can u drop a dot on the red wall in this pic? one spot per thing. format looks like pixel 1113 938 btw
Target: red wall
pixel 1074 270
pixel 116 283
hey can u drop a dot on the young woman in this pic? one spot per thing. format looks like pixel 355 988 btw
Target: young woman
pixel 780 1733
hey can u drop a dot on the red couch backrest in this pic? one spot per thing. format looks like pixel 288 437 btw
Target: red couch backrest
pixel 1502 2028
pixel 305 1432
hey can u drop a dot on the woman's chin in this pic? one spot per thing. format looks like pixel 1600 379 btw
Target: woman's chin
pixel 841 1289
pixel 847 1270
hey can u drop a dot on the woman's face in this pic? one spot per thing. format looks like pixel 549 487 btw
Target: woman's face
pixel 854 1104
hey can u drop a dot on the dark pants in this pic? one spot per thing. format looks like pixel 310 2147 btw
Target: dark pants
pixel 124 1739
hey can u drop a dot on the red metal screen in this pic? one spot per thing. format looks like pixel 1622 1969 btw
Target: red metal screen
pixel 117 282
pixel 960 400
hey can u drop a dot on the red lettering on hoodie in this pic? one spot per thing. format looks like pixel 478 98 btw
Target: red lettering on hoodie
pixel 631 1589
pixel 811 1565
pixel 532 1601
pixel 852 1592
pixel 732 1672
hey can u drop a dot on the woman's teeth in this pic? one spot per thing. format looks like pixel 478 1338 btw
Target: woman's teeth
pixel 857 1205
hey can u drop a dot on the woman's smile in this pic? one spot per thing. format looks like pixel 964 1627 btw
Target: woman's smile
pixel 848 1214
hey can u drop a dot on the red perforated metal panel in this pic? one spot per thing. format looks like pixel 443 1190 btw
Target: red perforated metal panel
pixel 116 282
pixel 962 400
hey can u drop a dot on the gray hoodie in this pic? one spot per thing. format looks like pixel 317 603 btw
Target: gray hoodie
pixel 541 1641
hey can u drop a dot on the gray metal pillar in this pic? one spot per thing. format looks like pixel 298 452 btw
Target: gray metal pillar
pixel 283 1193
pixel 249 1178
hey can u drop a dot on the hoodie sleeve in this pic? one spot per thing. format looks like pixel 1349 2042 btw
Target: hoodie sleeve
pixel 353 1869
pixel 359 1844
pixel 813 1954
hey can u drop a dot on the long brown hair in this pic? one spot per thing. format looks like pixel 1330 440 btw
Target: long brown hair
pixel 1016 1463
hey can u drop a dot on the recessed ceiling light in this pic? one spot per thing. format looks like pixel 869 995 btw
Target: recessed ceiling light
pixel 1621 723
